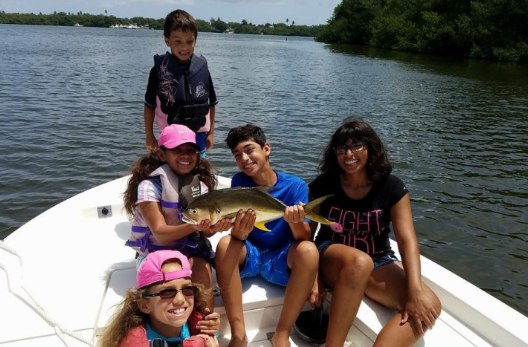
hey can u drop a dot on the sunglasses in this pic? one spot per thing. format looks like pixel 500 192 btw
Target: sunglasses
pixel 180 151
pixel 354 148
pixel 170 293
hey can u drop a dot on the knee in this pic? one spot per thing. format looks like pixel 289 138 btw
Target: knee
pixel 307 254
pixel 223 244
pixel 437 304
pixel 361 262
pixel 228 248
pixel 357 266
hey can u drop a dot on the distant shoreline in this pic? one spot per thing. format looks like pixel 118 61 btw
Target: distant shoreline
pixel 109 21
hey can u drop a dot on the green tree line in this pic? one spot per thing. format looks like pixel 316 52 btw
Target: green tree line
pixel 218 25
pixel 484 29
pixel 105 21
pixel 69 19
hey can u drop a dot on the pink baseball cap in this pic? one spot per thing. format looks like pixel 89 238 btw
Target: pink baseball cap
pixel 176 134
pixel 150 272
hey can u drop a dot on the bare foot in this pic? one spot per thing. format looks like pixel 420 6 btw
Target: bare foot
pixel 238 342
pixel 280 339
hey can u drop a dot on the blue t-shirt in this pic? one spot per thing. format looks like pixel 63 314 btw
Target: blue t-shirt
pixel 290 190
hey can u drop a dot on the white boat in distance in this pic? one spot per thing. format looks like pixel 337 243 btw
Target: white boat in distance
pixel 66 269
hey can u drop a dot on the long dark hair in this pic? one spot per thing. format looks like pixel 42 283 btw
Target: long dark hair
pixel 149 162
pixel 359 131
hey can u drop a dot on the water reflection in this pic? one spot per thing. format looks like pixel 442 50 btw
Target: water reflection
pixel 504 72
pixel 455 128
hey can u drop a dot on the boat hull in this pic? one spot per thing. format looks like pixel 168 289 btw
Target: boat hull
pixel 76 268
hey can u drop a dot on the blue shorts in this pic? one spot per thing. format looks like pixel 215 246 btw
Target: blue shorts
pixel 271 264
pixel 200 142
pixel 379 261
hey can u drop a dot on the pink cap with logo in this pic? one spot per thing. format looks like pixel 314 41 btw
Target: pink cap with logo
pixel 176 134
pixel 150 271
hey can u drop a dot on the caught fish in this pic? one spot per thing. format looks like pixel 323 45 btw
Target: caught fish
pixel 225 203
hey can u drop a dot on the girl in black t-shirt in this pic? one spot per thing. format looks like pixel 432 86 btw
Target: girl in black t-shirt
pixel 355 253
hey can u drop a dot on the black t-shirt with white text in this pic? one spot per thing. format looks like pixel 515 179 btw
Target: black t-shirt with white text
pixel 365 223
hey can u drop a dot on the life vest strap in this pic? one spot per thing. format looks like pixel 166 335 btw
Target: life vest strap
pixel 144 244
pixel 168 204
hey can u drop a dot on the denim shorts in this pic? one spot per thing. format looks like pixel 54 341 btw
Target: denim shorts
pixel 271 264
pixel 379 261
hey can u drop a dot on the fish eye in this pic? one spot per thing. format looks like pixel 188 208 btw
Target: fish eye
pixel 193 211
pixel 218 211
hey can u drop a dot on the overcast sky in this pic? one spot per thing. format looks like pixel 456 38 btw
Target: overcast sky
pixel 306 12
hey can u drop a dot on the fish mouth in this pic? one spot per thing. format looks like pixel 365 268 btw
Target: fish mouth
pixel 187 220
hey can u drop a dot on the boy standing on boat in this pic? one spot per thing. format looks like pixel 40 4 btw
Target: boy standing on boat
pixel 284 255
pixel 180 89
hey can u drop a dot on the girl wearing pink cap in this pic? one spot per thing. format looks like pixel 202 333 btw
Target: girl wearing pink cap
pixel 163 183
pixel 157 312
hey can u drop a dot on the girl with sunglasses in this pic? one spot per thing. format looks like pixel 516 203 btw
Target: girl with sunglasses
pixel 162 184
pixel 356 258
pixel 158 311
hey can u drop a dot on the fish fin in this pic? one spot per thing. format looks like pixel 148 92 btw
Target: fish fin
pixel 315 217
pixel 238 187
pixel 261 226
pixel 261 188
pixel 310 206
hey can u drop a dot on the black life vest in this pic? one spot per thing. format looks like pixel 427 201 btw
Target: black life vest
pixel 183 93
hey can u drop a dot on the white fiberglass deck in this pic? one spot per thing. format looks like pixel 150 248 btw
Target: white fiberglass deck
pixel 76 267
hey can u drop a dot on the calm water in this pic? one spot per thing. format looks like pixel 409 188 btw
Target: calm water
pixel 71 118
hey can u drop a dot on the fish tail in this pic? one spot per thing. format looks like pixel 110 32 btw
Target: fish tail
pixel 261 226
pixel 313 216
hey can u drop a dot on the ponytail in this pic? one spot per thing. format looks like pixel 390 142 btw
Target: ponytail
pixel 206 172
pixel 141 170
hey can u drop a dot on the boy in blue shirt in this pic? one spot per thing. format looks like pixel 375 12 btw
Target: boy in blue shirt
pixel 284 256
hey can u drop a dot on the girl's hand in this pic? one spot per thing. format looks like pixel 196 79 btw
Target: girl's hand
pixel 421 309
pixel 210 323
pixel 203 225
pixel 151 143
pixel 318 293
pixel 223 224
pixel 294 214
pixel 243 224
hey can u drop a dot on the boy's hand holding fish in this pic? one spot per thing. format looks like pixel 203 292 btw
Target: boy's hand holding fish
pixel 294 214
pixel 243 224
